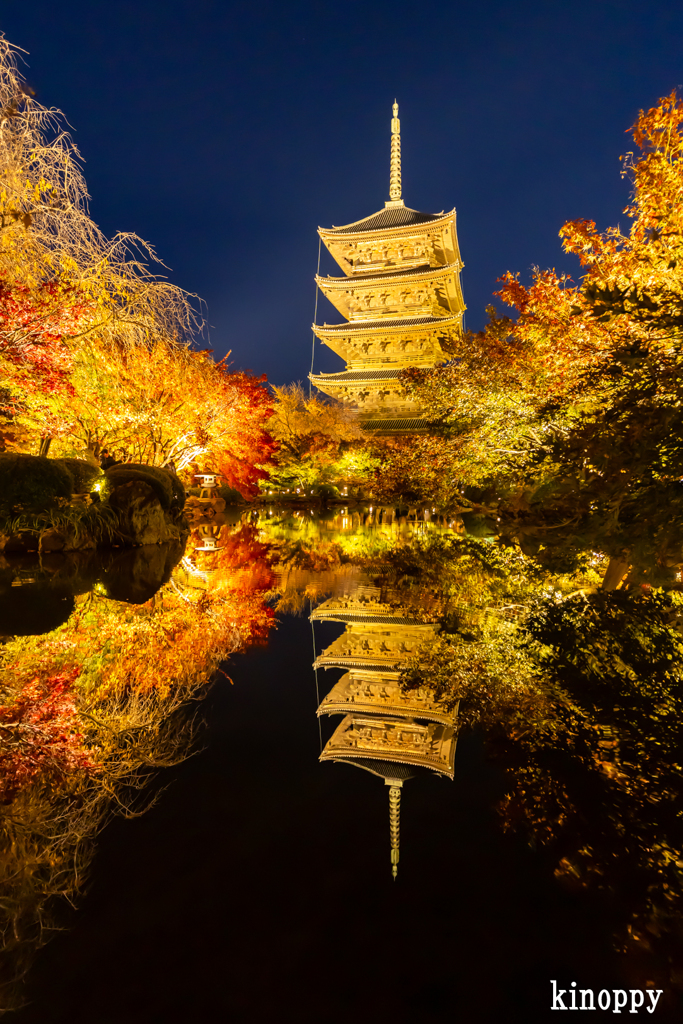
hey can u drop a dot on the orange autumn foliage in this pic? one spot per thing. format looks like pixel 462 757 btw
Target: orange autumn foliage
pixel 96 351
pixel 632 292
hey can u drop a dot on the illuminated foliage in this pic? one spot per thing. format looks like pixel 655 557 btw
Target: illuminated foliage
pixel 95 350
pixel 569 419
pixel 40 730
pixel 169 404
pixel 319 443
pixel 419 468
pixel 596 776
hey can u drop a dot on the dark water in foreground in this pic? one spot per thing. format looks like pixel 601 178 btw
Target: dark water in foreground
pixel 258 889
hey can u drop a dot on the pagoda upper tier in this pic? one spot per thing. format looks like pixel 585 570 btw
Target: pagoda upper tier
pixel 400 297
pixel 395 238
pixel 422 291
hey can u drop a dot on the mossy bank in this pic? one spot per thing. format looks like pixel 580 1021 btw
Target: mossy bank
pixel 51 505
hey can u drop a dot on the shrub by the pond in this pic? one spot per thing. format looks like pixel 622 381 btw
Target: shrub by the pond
pixel 32 483
pixel 83 473
pixel 229 495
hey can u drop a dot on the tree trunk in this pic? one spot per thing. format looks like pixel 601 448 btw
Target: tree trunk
pixel 614 574
pixel 45 443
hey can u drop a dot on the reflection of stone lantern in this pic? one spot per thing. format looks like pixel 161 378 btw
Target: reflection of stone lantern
pixel 210 544
pixel 208 538
pixel 208 484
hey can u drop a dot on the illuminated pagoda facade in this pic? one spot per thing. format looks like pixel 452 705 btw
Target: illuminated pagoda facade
pixel 401 299
pixel 392 734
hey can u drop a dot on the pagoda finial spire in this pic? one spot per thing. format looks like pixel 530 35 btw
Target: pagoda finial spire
pixel 395 166
pixel 395 786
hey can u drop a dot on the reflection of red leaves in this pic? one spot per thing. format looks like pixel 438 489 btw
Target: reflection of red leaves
pixel 243 574
pixel 243 562
pixel 39 733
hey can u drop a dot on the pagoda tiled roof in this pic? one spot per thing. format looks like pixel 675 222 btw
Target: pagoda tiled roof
pixel 393 217
pixel 381 619
pixel 356 375
pixel 384 769
pixel 358 280
pixel 394 426
pixel 389 323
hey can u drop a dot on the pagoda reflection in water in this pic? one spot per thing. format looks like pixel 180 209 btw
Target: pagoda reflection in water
pixel 394 735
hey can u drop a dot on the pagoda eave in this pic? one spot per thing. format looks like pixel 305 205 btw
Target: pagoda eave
pixel 434 292
pixel 370 693
pixel 359 608
pixel 357 379
pixel 389 221
pixel 391 241
pixel 391 427
pixel 400 325
pixel 433 746
pixel 400 277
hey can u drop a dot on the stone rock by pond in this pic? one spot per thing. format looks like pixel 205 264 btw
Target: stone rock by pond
pixel 40 512
pixel 52 540
pixel 166 485
pixel 150 503
pixel 69 537
pixel 143 519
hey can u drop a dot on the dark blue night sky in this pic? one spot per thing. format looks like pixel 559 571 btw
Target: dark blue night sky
pixel 225 133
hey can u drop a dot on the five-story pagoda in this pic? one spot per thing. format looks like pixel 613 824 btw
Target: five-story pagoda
pixel 402 301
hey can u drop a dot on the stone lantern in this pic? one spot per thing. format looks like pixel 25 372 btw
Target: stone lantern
pixel 208 484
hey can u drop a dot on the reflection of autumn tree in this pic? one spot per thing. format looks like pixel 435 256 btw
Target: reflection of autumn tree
pixel 40 729
pixel 475 581
pixel 88 711
pixel 595 773
pixel 242 564
pixel 48 829
pixel 582 696
pixel 479 592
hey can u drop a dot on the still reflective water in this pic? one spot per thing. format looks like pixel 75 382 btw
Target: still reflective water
pixel 339 846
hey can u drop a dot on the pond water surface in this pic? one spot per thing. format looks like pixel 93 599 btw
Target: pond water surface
pixel 259 886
